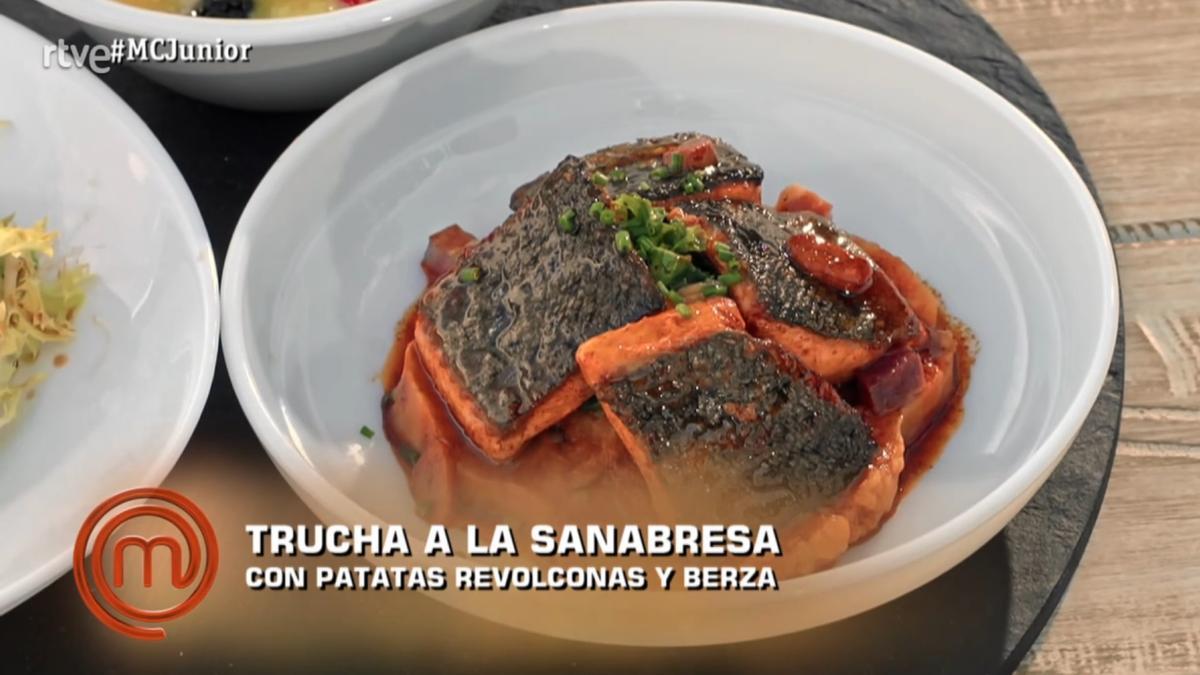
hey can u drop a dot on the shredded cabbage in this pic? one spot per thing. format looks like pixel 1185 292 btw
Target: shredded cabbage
pixel 37 307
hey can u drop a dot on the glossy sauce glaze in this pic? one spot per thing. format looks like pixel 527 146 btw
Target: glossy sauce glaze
pixel 633 345
pixel 502 490
pixel 921 454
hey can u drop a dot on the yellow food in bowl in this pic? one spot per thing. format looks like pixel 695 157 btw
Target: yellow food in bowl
pixel 254 9
pixel 39 298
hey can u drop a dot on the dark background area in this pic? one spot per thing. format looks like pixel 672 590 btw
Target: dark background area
pixel 980 617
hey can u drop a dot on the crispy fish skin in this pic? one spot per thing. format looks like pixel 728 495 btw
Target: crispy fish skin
pixel 732 177
pixel 576 470
pixel 758 238
pixel 832 333
pixel 501 349
pixel 816 541
pixel 714 417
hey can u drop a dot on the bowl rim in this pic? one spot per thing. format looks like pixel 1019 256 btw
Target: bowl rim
pixel 193 231
pixel 116 16
pixel 988 513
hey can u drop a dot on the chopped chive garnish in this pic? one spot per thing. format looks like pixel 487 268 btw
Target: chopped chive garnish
pixel 566 221
pixel 684 310
pixel 692 241
pixel 367 432
pixel 599 179
pixel 597 207
pixel 623 242
pixel 733 265
pixel 633 209
pixel 693 184
pixel 673 297
pixel 667 246
pixel 617 175
pixel 643 186
pixel 469 275
pixel 668 260
pixel 723 252
pixel 646 247
pixel 660 173
pixel 677 163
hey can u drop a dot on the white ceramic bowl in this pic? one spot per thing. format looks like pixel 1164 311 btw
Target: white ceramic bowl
pixel 297 63
pixel 118 414
pixel 913 153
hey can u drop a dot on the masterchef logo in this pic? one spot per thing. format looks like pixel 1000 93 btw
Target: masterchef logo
pixel 180 531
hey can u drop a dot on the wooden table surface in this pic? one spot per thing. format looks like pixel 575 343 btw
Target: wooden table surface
pixel 1125 74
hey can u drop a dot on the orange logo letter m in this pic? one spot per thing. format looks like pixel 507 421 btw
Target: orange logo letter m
pixel 179 578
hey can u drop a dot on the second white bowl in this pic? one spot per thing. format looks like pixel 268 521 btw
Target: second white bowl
pixel 299 63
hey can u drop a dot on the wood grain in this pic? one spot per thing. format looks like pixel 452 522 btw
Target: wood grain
pixel 1134 606
pixel 1161 284
pixel 1125 74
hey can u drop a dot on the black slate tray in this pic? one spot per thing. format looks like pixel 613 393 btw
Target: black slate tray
pixel 981 617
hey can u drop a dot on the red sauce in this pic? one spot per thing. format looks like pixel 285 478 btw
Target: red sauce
pixel 393 367
pixel 922 454
pixel 579 471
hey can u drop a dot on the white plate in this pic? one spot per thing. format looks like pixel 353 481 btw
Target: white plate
pixel 122 409
pixel 912 152
pixel 298 63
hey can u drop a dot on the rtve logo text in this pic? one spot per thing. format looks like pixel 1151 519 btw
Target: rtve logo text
pixel 126 561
